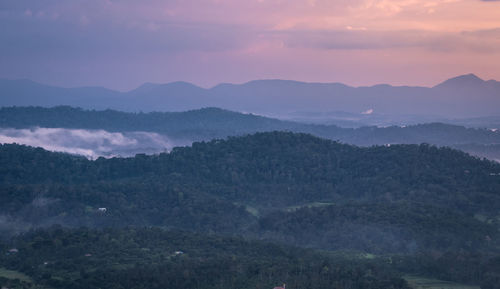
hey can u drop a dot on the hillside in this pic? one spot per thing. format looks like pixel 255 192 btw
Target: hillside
pixel 210 123
pixel 422 204
pixel 265 171
pixel 194 125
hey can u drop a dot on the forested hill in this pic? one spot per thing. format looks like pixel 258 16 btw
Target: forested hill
pixel 275 170
pixel 210 123
pixel 437 203
pixel 194 125
pixel 274 157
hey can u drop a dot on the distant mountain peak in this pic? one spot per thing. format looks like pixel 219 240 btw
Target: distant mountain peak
pixel 463 80
pixel 467 77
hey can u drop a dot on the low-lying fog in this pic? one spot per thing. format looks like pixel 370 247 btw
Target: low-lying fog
pixel 89 143
pixel 101 143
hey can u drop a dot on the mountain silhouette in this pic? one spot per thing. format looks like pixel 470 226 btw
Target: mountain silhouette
pixel 458 97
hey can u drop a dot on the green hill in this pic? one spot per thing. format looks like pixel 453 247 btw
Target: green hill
pixel 421 204
pixel 264 172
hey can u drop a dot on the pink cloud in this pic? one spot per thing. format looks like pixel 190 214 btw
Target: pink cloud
pixel 123 43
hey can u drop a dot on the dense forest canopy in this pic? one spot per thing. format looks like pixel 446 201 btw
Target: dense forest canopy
pixel 419 204
pixel 154 258
pixel 300 168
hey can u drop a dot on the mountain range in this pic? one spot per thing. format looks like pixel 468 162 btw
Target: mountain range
pixel 459 97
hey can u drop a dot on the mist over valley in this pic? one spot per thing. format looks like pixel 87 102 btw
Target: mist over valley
pixel 113 133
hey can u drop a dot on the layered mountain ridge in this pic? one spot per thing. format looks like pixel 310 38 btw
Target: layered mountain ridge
pixel 23 123
pixel 463 96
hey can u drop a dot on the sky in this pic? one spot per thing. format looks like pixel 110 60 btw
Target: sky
pixel 122 44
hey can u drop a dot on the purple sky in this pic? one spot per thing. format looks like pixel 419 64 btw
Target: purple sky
pixel 122 44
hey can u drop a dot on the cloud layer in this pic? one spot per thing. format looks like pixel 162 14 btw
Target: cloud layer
pixel 89 143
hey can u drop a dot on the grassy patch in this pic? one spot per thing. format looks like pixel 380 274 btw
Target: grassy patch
pixel 418 282
pixel 253 211
pixel 309 205
pixel 9 274
pixel 369 256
